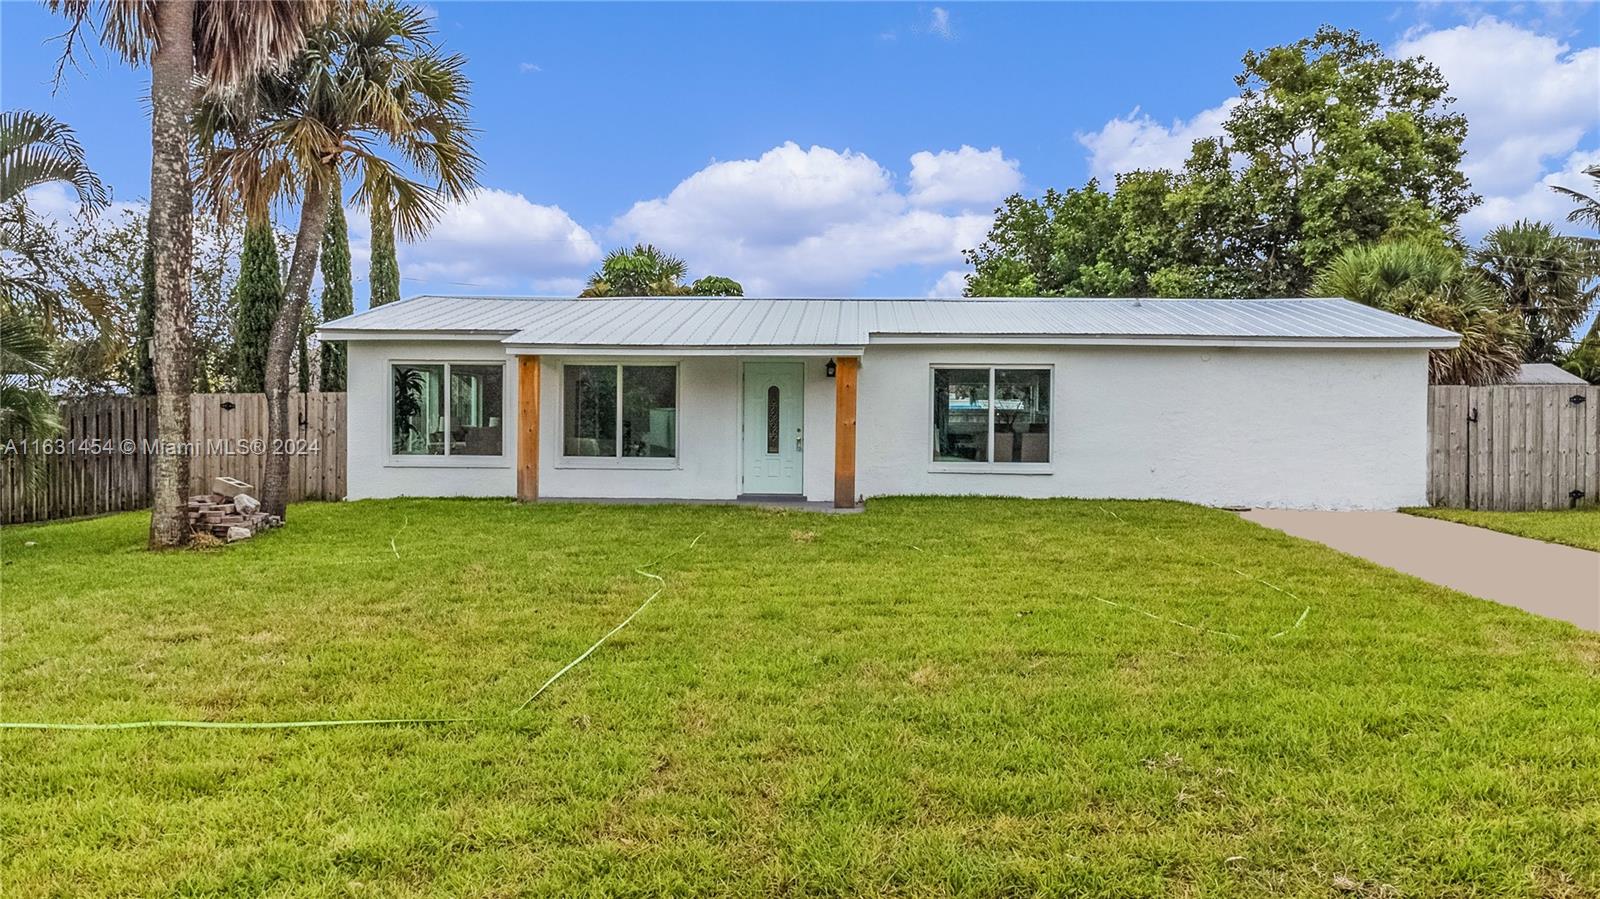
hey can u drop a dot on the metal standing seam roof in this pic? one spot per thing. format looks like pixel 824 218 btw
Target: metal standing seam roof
pixel 691 322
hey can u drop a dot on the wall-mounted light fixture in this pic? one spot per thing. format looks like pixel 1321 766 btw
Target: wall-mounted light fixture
pixel 831 368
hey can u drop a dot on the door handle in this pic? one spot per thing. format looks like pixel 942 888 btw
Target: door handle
pixel 799 439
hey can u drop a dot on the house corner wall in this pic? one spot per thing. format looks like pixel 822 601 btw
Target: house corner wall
pixel 1288 428
pixel 372 471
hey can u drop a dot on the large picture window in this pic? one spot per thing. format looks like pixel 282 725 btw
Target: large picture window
pixel 448 409
pixel 620 411
pixel 995 416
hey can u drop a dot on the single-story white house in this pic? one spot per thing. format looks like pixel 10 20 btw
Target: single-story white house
pixel 1311 403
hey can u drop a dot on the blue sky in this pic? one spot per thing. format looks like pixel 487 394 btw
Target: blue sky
pixel 856 148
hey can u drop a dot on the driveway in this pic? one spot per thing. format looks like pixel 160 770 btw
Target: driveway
pixel 1543 578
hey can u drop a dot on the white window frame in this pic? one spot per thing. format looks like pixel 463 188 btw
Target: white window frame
pixel 619 461
pixel 991 466
pixel 448 459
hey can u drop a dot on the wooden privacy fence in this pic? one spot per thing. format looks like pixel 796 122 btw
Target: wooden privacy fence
pixel 101 461
pixel 1514 447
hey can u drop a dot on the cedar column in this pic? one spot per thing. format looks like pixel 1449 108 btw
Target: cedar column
pixel 527 428
pixel 844 431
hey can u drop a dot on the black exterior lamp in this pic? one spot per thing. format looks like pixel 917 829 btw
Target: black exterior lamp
pixel 831 368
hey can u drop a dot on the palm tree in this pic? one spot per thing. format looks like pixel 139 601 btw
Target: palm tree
pixel 27 410
pixel 36 149
pixel 643 271
pixel 25 355
pixel 1548 278
pixel 220 44
pixel 369 79
pixel 1588 211
pixel 1431 283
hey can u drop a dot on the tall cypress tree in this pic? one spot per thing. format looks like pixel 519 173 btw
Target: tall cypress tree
pixel 144 371
pixel 256 297
pixel 384 275
pixel 338 299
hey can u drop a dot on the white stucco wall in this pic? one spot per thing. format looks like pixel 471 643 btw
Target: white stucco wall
pixel 707 466
pixel 1222 426
pixel 373 472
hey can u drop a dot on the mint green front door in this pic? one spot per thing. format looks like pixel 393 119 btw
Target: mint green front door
pixel 774 432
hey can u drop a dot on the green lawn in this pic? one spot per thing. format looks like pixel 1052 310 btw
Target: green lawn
pixel 1574 527
pixel 930 698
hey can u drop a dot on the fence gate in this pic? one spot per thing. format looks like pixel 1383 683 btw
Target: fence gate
pixel 1514 447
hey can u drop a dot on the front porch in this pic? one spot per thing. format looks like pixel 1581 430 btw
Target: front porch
pixel 731 427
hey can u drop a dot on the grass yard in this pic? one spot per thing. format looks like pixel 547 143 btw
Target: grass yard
pixel 1574 527
pixel 927 699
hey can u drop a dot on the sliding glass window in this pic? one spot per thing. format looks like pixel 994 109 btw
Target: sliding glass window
pixel 447 409
pixel 620 411
pixel 993 416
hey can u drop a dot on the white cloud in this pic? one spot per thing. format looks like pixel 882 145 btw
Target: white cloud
pixel 798 220
pixel 966 178
pixel 58 202
pixel 939 23
pixel 497 240
pixel 950 284
pixel 528 67
pixel 1139 142
pixel 1528 98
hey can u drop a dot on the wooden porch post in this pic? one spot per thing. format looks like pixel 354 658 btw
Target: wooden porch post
pixel 844 431
pixel 527 428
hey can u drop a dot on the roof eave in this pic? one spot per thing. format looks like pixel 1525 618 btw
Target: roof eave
pixel 665 350
pixel 1443 341
pixel 412 334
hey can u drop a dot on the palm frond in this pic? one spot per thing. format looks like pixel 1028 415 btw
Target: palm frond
pixel 35 149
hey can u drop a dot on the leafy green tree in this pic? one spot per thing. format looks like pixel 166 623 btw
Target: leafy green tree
pixel 1330 145
pixel 1341 145
pixel 383 271
pixel 716 286
pixel 257 298
pixel 1431 282
pixel 337 294
pixel 104 319
pixel 1551 280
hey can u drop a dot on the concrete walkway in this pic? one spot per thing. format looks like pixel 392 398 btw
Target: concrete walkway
pixel 1543 578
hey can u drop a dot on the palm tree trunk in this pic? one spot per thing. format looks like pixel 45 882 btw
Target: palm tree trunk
pixel 286 339
pixel 172 236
